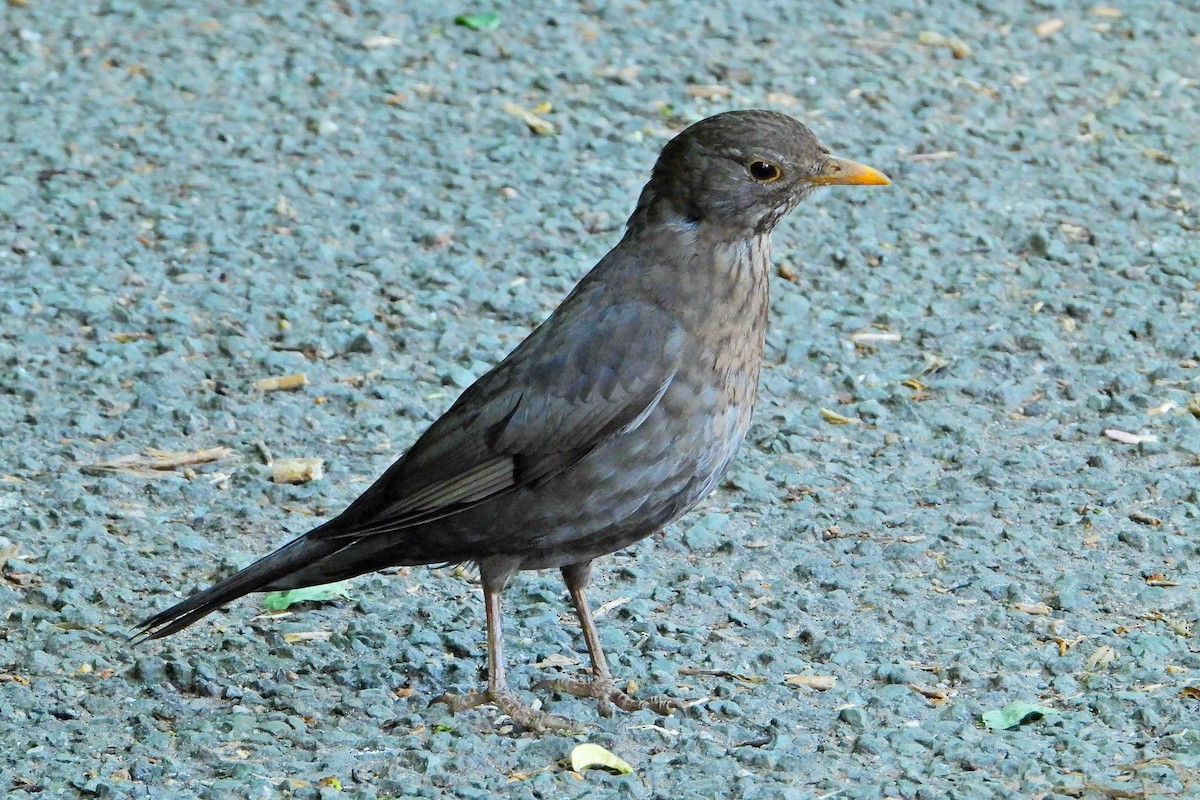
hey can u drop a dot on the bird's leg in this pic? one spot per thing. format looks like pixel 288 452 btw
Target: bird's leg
pixel 497 692
pixel 601 686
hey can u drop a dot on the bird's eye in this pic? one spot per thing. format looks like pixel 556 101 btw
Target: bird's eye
pixel 763 171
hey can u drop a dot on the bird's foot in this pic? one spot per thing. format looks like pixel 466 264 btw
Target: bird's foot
pixel 526 716
pixel 609 696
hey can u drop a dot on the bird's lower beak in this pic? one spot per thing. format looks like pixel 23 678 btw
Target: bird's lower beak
pixel 842 170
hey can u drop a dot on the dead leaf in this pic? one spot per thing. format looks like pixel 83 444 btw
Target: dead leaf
pixel 1180 627
pixel 282 383
pixel 156 463
pixel 536 124
pixel 781 99
pixel 556 660
pixel 1101 659
pixel 818 683
pixel 872 337
pixel 1038 609
pixel 723 673
pixel 297 470
pixel 604 608
pixel 835 418
pixel 936 155
pixel 935 696
pixel 379 41
pixel 1163 408
pixel 709 92
pixel 934 39
pixel 1124 437
pixel 1049 27
pixel 1066 644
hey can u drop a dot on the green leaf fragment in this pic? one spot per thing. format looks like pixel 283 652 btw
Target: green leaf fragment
pixel 1014 714
pixel 278 601
pixel 586 756
pixel 486 21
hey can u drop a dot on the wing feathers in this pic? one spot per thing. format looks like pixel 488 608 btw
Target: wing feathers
pixel 599 376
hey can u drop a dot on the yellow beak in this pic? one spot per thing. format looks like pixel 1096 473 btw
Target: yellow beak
pixel 844 171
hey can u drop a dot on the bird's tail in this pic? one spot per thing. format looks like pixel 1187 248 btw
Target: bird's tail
pixel 259 576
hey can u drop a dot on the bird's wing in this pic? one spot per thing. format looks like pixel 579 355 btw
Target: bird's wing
pixel 588 373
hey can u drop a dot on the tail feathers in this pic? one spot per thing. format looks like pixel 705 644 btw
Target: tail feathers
pixel 259 576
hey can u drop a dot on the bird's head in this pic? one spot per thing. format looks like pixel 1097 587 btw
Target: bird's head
pixel 741 172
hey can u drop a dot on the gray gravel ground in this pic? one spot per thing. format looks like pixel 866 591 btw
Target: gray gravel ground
pixel 197 195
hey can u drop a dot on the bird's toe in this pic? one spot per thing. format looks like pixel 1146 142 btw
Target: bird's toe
pixel 609 697
pixel 522 714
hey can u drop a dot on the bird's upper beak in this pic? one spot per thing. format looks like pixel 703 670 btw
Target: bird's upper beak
pixel 842 170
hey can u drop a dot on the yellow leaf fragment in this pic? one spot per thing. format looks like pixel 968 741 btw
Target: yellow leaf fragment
pixel 536 124
pixel 1160 156
pixel 835 418
pixel 307 636
pixel 297 470
pixel 587 755
pixel 282 383
pixel 1107 11
pixel 126 338
pixel 1066 644
pixel 957 47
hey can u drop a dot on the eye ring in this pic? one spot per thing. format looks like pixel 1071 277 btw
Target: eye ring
pixel 763 171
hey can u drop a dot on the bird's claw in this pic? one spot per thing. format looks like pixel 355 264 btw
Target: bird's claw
pixel 524 715
pixel 609 697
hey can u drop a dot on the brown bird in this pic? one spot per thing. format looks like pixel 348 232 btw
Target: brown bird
pixel 612 419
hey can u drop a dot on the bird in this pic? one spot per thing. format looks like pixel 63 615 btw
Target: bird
pixel 613 418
